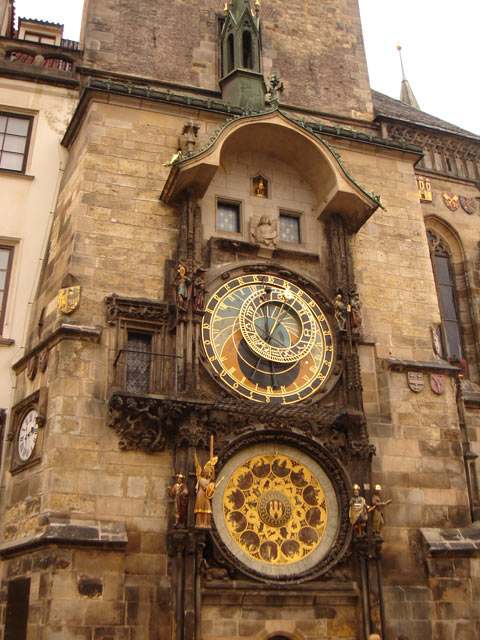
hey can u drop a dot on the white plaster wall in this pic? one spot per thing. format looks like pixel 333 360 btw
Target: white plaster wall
pixel 26 205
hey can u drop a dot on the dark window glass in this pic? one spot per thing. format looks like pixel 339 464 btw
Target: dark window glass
pixel 247 55
pixel 16 616
pixel 228 217
pixel 289 228
pixel 230 53
pixel 14 136
pixel 139 357
pixel 6 259
pixel 450 334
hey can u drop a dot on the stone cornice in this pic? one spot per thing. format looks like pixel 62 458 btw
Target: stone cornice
pixel 207 101
pixel 64 331
pixel 395 364
pixel 65 531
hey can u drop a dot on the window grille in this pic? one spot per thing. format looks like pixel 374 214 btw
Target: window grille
pixel 138 360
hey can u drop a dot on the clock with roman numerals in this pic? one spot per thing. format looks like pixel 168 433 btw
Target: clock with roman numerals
pixel 267 339
pixel 27 435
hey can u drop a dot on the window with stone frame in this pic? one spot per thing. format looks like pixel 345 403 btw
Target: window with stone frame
pixel 142 359
pixel 449 333
pixel 289 227
pixel 15 132
pixel 228 216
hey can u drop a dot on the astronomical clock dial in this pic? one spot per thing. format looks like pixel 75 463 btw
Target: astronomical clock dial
pixel 27 435
pixel 276 511
pixel 267 339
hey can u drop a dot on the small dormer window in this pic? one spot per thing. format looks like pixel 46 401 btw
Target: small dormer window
pixel 39 37
pixel 40 31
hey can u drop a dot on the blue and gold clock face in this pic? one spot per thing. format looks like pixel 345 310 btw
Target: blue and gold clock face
pixel 267 339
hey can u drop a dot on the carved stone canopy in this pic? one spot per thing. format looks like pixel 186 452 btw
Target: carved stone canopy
pixel 274 132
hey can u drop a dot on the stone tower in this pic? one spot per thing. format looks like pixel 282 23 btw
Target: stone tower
pixel 241 336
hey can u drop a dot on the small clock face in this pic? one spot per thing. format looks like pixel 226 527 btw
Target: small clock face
pixel 27 435
pixel 267 339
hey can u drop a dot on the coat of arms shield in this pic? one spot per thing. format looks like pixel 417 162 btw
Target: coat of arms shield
pixel 415 380
pixel 68 299
pixel 451 201
pixel 437 382
pixel 468 204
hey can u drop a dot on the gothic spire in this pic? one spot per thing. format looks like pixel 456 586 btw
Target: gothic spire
pixel 406 93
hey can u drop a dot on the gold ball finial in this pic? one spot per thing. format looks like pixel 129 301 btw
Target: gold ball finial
pixel 399 47
pixel 257 3
pixel 225 8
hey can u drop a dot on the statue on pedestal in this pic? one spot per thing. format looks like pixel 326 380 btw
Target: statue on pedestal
pixel 358 512
pixel 378 508
pixel 179 492
pixel 182 289
pixel 205 489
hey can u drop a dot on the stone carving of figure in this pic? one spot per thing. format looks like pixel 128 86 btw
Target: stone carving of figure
pixel 199 291
pixel 340 312
pixel 182 289
pixel 265 232
pixel 378 507
pixel 205 488
pixel 356 313
pixel 179 492
pixel 358 512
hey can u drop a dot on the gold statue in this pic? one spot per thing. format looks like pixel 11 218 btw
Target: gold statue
pixel 260 190
pixel 378 508
pixel 176 156
pixel 205 489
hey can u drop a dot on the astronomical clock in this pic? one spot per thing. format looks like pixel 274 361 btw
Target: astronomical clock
pixel 269 341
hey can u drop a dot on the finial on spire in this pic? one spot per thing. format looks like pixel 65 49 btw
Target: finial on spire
pixel 225 8
pixel 406 93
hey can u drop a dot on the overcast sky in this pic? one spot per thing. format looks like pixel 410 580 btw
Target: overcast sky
pixel 439 40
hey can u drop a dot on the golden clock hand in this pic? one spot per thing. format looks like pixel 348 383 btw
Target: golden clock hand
pixel 277 317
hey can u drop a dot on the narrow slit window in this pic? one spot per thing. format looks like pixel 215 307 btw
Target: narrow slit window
pixel 450 332
pixel 230 53
pixel 6 260
pixel 247 53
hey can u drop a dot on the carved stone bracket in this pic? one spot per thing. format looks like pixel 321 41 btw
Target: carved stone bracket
pixel 363 449
pixel 134 308
pixel 143 423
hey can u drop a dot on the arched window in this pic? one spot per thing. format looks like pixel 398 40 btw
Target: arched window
pixel 230 53
pixel 247 53
pixel 449 333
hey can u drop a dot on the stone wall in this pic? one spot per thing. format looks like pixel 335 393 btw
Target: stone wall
pixel 302 44
pixel 314 612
